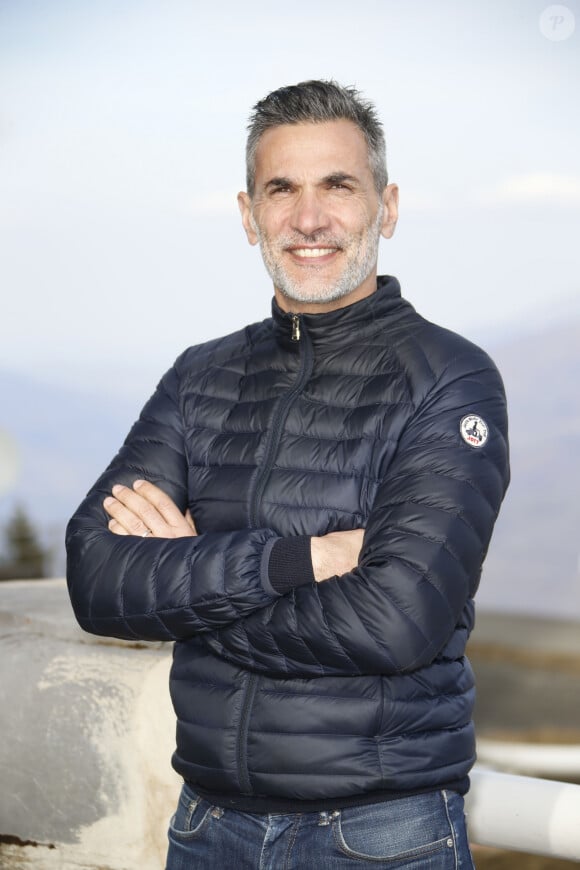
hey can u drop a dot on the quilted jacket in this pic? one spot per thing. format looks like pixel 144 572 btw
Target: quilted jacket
pixel 349 689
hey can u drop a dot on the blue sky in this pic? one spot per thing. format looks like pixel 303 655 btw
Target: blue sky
pixel 122 128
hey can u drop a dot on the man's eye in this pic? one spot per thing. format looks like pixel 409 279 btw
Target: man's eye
pixel 279 187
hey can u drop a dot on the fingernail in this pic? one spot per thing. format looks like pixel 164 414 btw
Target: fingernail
pixel 138 483
pixel 108 501
pixel 117 489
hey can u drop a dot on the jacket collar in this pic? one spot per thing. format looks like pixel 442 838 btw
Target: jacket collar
pixel 335 327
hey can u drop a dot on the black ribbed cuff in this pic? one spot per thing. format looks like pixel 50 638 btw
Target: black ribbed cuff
pixel 290 563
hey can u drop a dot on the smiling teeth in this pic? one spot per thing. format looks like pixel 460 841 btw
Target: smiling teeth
pixel 313 252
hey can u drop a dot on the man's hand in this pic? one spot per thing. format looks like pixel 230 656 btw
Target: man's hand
pixel 146 510
pixel 335 553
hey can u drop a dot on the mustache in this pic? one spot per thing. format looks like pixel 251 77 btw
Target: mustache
pixel 296 240
pixel 318 239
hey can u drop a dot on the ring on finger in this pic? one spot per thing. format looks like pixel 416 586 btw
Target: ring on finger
pixel 146 533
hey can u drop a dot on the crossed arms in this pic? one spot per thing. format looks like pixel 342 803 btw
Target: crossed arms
pixel 145 510
pixel 395 611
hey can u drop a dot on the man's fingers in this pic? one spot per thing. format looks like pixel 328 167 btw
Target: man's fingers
pixel 147 509
pixel 155 496
pixel 124 518
pixel 146 515
pixel 117 528
pixel 189 520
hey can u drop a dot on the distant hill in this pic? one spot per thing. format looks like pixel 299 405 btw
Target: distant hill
pixel 67 437
pixel 534 559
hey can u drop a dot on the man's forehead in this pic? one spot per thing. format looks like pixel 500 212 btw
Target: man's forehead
pixel 312 148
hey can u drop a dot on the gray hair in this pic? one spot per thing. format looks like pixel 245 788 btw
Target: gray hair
pixel 317 101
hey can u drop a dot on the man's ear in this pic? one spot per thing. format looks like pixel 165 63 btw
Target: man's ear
pixel 391 213
pixel 245 206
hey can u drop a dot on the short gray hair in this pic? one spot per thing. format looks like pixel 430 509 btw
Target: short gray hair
pixel 317 101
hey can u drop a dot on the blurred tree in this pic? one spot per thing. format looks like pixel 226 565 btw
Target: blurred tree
pixel 24 556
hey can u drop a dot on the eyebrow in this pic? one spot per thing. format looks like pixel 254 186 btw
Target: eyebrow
pixel 339 178
pixel 333 178
pixel 278 181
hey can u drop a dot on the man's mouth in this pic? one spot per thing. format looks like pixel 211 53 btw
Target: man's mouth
pixel 312 253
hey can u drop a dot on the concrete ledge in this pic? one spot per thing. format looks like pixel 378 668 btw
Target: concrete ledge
pixel 87 736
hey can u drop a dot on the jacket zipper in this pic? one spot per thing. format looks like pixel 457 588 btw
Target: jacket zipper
pixel 280 415
pixel 295 327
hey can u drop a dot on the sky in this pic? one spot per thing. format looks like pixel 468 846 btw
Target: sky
pixel 122 131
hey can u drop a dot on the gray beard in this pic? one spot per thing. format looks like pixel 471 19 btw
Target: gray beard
pixel 356 271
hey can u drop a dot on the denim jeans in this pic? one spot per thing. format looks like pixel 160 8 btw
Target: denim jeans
pixel 423 832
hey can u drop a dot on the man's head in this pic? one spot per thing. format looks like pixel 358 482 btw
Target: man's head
pixel 318 198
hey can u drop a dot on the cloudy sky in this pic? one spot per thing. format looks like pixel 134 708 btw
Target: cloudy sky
pixel 122 127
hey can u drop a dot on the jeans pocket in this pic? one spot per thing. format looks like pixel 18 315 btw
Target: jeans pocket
pixel 191 816
pixel 407 829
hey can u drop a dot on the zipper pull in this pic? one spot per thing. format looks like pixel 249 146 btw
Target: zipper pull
pixel 295 327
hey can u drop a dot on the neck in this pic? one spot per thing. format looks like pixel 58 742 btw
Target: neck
pixel 296 306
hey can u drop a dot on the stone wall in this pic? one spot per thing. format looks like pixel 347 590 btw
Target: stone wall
pixel 86 736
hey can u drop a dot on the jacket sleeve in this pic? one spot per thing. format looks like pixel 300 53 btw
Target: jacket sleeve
pixel 425 542
pixel 158 589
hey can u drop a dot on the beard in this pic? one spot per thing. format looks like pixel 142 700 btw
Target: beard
pixel 361 252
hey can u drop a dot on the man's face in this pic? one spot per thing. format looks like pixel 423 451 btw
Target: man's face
pixel 317 215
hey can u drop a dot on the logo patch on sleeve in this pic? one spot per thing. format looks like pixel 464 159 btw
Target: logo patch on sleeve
pixel 474 430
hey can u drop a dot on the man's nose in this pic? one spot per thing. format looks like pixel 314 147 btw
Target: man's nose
pixel 310 215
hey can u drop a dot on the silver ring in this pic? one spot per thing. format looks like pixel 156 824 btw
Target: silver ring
pixel 146 534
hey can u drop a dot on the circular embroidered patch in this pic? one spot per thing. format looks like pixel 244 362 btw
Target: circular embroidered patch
pixel 474 430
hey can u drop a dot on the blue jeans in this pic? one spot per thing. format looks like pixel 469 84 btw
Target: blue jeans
pixel 423 832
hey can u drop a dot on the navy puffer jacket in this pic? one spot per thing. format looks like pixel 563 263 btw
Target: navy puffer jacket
pixel 352 688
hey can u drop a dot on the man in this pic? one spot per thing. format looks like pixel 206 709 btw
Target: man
pixel 302 508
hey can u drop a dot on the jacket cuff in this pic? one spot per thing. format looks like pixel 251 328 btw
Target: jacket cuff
pixel 290 563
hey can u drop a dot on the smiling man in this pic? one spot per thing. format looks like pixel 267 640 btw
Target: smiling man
pixel 302 507
pixel 317 224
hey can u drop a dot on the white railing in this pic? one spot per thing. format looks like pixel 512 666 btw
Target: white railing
pixel 546 760
pixel 524 814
